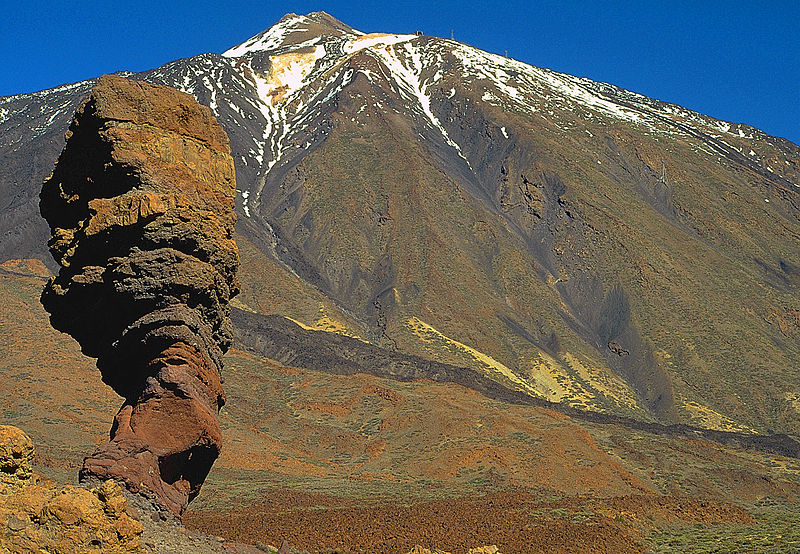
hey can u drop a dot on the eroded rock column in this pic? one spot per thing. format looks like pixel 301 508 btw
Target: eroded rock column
pixel 140 205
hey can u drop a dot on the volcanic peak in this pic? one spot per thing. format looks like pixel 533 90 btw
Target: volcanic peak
pixel 293 31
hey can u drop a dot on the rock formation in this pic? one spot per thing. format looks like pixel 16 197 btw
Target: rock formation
pixel 16 455
pixel 36 515
pixel 140 206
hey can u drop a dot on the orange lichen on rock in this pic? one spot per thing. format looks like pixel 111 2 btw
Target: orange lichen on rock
pixel 140 206
pixel 36 515
pixel 16 455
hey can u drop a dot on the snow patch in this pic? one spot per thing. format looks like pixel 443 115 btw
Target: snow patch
pixel 245 196
pixel 212 103
pixel 64 88
pixel 186 86
pixel 723 126
pixel 372 40
pixel 408 78
pixel 270 39
pixel 511 84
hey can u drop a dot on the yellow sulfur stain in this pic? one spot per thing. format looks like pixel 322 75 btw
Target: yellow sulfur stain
pixel 367 37
pixel 602 380
pixel 326 323
pixel 286 71
pixel 427 333
pixel 711 419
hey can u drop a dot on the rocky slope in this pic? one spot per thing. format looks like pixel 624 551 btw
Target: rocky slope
pixel 39 515
pixel 567 238
pixel 307 450
pixel 140 208
pixel 285 341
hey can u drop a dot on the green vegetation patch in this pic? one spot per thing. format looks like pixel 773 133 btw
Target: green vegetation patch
pixel 776 529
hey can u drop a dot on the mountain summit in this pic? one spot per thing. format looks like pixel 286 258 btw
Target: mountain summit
pixel 561 238
pixel 292 31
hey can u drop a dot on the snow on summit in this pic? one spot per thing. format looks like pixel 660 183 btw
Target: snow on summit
pixel 276 87
pixel 270 39
pixel 299 65
pixel 293 31
pixel 507 82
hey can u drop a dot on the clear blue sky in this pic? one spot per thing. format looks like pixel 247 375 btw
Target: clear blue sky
pixel 738 61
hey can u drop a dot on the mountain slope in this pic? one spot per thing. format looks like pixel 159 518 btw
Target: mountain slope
pixel 383 464
pixel 566 238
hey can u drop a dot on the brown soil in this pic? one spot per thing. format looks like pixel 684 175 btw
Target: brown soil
pixel 517 522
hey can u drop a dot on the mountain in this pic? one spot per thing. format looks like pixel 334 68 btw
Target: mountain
pixel 561 237
pixel 481 303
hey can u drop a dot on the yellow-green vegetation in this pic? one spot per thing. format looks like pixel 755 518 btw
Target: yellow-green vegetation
pixel 703 416
pixel 578 384
pixel 776 529
pixel 553 382
pixel 325 322
pixel 603 381
pixel 794 400
pixel 489 365
pixel 570 381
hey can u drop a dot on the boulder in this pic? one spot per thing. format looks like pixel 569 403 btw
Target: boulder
pixel 16 456
pixel 36 515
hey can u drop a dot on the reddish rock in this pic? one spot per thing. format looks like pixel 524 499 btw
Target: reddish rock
pixel 140 206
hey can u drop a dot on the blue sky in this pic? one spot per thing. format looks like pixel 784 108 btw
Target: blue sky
pixel 738 61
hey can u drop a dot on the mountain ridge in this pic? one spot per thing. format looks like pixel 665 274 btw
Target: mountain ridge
pixel 538 219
